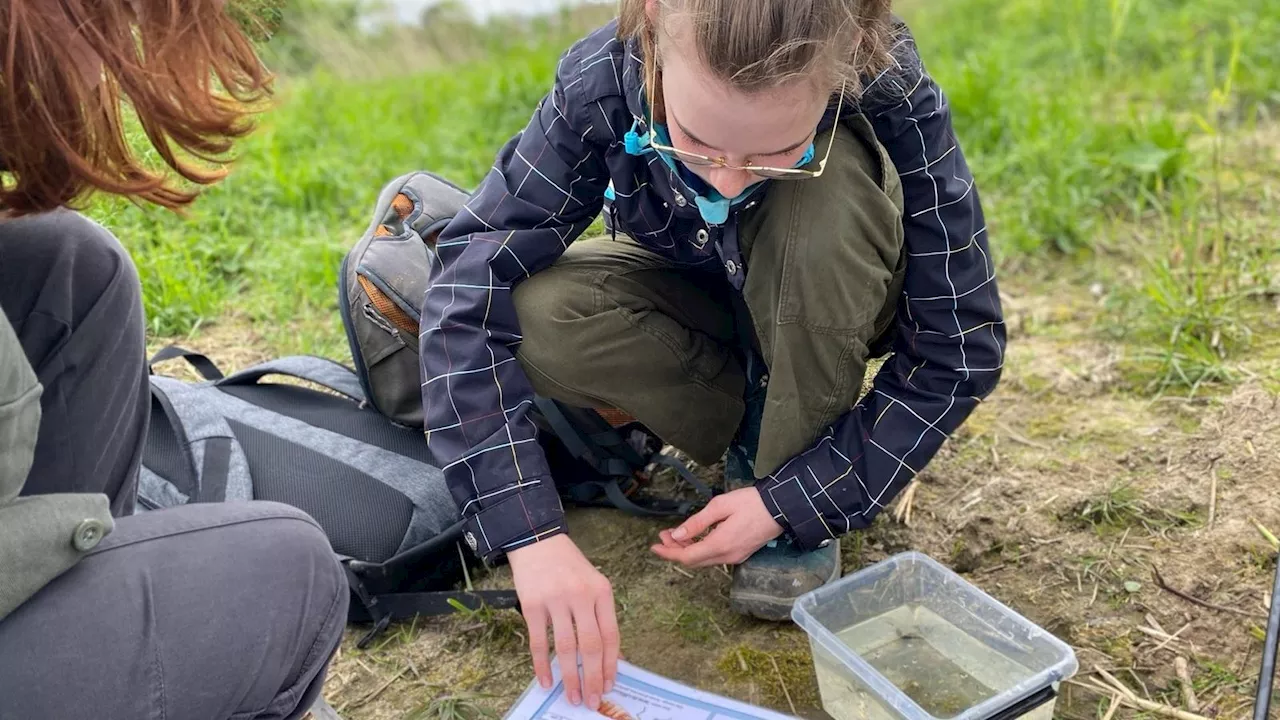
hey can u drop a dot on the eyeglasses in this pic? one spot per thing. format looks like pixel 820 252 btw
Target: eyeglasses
pixel 764 171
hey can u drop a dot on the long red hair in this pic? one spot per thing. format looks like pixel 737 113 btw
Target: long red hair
pixel 187 68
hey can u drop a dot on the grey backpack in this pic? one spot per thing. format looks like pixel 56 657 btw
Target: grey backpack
pixel 369 483
pixel 382 281
pixel 597 457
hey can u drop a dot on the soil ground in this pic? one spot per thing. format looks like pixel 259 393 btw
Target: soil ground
pixel 1062 497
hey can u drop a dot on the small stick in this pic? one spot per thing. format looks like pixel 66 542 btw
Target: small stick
pixel 1160 709
pixel 1271 538
pixel 1046 504
pixel 1193 599
pixel 742 662
pixel 1119 686
pixel 1173 637
pixel 1157 634
pixel 465 572
pixel 716 625
pixel 783 683
pixel 1183 672
pixel 376 692
pixel 1213 493
pixel 682 571
pixel 1094 598
pixel 1152 622
pixel 1118 543
pixel 1134 675
pixel 1138 703
pixel 1022 440
pixel 1111 709
pixel 902 513
pixel 958 493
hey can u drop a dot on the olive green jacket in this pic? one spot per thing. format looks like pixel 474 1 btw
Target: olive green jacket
pixel 41 536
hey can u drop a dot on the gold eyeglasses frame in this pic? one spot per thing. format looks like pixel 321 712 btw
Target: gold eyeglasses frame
pixel 765 171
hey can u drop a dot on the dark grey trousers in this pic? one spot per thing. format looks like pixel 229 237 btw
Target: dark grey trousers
pixel 203 612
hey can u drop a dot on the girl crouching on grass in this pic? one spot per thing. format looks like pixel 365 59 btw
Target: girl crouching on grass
pixel 784 199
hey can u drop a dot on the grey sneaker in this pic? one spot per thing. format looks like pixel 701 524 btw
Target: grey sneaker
pixel 770 581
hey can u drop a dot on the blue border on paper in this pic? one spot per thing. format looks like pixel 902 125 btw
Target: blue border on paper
pixel 716 711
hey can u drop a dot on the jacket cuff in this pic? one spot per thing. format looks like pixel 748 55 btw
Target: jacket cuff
pixel 789 504
pixel 525 516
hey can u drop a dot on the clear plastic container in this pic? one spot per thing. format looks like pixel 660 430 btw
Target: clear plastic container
pixel 909 638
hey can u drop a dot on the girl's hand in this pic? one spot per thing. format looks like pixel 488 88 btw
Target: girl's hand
pixel 742 526
pixel 555 582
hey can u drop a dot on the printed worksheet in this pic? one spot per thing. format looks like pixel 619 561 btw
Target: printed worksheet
pixel 637 695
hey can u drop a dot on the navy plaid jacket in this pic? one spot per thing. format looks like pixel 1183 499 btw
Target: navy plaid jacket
pixel 547 186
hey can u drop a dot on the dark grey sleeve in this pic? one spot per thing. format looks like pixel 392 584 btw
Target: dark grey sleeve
pixel 19 413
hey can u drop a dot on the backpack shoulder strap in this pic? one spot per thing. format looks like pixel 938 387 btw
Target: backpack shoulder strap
pixel 321 371
pixel 212 464
pixel 592 440
pixel 203 365
pixel 387 607
pixel 583 444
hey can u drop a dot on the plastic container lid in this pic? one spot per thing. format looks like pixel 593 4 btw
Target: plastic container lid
pixel 915 579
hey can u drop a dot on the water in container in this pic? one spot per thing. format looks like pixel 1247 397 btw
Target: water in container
pixel 908 638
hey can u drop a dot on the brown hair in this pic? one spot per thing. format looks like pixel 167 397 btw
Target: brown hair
pixel 188 68
pixel 757 44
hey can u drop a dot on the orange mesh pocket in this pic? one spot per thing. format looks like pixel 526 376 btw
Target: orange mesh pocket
pixel 615 417
pixel 403 205
pixel 387 307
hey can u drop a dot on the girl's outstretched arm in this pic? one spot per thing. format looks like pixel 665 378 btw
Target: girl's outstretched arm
pixel 543 191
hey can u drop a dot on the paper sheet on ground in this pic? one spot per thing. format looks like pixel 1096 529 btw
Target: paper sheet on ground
pixel 637 695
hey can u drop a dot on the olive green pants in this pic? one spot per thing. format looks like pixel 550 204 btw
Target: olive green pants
pixel 612 324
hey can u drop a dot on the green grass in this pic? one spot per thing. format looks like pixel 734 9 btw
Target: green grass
pixel 1121 507
pixel 1093 126
pixel 269 239
pixel 452 707
pixel 1101 124
pixel 1075 108
pixel 495 629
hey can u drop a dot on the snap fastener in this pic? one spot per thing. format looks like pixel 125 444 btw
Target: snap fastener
pixel 701 236
pixel 88 534
pixel 732 267
pixel 680 200
pixel 824 543
pixel 471 541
